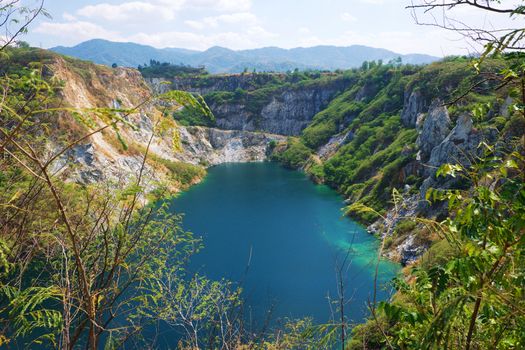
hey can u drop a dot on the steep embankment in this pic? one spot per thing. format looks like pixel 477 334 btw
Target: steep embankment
pixel 275 103
pixel 94 96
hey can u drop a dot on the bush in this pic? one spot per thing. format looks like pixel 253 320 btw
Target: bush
pixel 294 156
pixel 405 226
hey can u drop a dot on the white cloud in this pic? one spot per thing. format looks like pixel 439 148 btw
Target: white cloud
pixel 220 5
pixel 76 31
pixel 304 30
pixel 345 16
pixel 69 17
pixel 195 24
pixel 134 10
pixel 245 18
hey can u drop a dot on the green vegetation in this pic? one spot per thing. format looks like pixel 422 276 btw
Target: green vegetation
pixel 183 173
pixel 166 70
pixel 467 290
pixel 70 252
pixel 88 266
pixel 193 116
pixel 370 164
pixel 294 155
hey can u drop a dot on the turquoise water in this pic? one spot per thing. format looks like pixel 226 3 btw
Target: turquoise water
pixel 283 236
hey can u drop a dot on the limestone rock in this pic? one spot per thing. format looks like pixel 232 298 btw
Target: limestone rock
pixel 215 146
pixel 410 250
pixel 412 107
pixel 333 145
pixel 286 113
pixel 434 129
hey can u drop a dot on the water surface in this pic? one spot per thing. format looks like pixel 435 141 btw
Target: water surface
pixel 284 237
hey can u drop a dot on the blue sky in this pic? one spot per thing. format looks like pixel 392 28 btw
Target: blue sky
pixel 244 24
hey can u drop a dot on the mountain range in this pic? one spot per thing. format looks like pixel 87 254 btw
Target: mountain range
pixel 222 60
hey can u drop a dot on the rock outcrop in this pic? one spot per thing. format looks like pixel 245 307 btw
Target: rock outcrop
pixel 434 128
pixel 461 146
pixel 333 145
pixel 438 145
pixel 287 112
pixel 413 106
pixel 215 146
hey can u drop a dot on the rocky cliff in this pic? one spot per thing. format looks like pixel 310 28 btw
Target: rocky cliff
pixel 437 145
pixel 211 146
pixel 273 103
pixel 285 112
pixel 103 157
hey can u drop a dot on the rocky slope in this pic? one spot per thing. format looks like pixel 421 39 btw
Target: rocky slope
pixel 286 113
pixel 437 145
pixel 173 147
pixel 211 146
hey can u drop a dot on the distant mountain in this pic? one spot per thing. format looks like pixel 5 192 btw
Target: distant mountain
pixel 221 60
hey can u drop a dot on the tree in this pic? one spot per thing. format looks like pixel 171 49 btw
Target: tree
pixel 15 19
pixel 78 263
pixel 467 291
pixel 442 14
pixel 508 43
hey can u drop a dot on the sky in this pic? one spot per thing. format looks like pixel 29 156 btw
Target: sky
pixel 247 24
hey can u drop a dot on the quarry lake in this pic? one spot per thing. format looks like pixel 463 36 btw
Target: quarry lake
pixel 283 236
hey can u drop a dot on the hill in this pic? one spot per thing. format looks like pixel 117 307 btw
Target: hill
pixel 222 60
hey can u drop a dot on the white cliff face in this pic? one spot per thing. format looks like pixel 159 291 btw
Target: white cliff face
pixel 334 144
pixel 461 146
pixel 413 106
pixel 211 146
pixel 434 128
pixel 285 113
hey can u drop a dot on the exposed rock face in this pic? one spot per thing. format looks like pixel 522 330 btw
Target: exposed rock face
pixel 414 105
pixel 334 144
pixel 461 146
pixel 102 157
pixel 293 110
pixel 410 250
pixel 286 113
pixel 434 128
pixel 214 146
pixel 438 145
